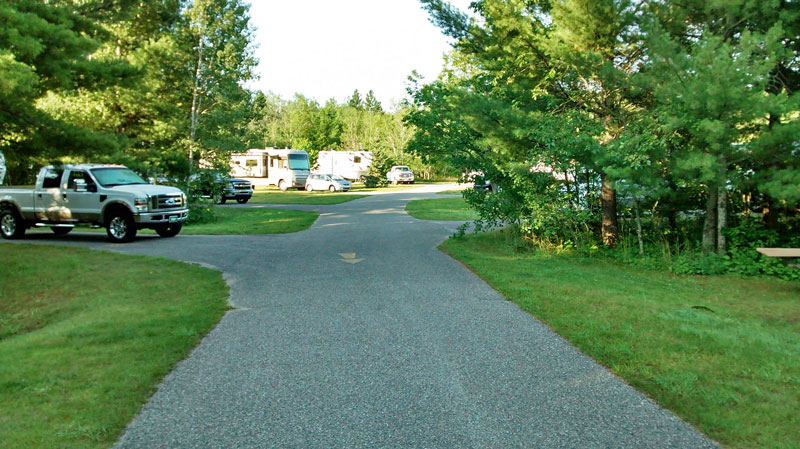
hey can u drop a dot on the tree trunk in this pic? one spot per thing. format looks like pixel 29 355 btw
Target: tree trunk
pixel 722 218
pixel 608 205
pixel 710 226
pixel 770 214
pixel 638 225
pixel 195 117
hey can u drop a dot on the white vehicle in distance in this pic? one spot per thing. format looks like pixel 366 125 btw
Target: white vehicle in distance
pixel 331 183
pixel 400 173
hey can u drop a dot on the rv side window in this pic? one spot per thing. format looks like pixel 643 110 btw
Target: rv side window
pixel 357 159
pixel 252 162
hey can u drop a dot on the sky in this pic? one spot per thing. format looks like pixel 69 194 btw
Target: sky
pixel 327 48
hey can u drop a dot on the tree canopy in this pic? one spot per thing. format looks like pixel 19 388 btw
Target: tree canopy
pixel 627 107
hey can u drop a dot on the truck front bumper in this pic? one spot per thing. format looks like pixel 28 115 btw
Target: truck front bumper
pixel 164 217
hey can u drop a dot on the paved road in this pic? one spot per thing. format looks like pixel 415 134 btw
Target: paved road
pixel 403 348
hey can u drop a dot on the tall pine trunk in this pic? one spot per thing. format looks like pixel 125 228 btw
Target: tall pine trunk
pixel 638 226
pixel 722 218
pixel 196 99
pixel 608 205
pixel 710 225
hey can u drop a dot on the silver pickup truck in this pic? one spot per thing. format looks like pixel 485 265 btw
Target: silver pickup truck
pixel 110 196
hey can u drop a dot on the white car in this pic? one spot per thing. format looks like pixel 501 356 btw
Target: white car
pixel 331 183
pixel 400 173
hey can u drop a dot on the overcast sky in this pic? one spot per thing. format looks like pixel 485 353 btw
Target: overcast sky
pixel 327 48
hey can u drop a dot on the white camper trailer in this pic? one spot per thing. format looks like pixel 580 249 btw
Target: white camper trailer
pixel 283 168
pixel 352 165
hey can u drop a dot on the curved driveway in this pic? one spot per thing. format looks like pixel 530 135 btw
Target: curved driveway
pixel 404 348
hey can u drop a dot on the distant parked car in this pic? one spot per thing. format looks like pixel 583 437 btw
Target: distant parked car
pixel 220 187
pixel 331 183
pixel 400 173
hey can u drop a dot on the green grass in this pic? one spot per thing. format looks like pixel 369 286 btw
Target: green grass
pixel 451 192
pixel 275 196
pixel 239 221
pixel 243 221
pixel 721 352
pixel 441 209
pixel 85 337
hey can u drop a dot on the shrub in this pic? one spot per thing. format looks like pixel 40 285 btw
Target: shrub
pixel 200 212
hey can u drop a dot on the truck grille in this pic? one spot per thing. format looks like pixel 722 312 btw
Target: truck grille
pixel 241 186
pixel 168 201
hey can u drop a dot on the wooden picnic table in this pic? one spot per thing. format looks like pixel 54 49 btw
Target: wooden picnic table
pixel 783 253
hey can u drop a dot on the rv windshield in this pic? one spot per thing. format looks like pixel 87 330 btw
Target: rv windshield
pixel 298 161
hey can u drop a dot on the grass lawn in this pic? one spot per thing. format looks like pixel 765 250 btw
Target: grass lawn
pixel 441 209
pixel 452 192
pixel 240 220
pixel 721 352
pixel 85 337
pixel 275 196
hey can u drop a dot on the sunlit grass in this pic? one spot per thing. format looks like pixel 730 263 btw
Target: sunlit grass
pixel 275 196
pixel 721 352
pixel 243 221
pixel 240 220
pixel 85 337
pixel 441 209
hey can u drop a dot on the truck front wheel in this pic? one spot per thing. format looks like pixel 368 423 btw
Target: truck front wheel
pixel 120 227
pixel 11 224
pixel 169 230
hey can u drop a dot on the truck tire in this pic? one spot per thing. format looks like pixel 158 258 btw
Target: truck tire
pixel 120 226
pixel 169 230
pixel 11 224
pixel 60 230
pixel 219 199
pixel 282 185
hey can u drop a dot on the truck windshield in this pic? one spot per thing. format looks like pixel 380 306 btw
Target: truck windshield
pixel 298 161
pixel 116 176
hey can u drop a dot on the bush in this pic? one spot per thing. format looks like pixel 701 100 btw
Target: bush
pixel 372 181
pixel 201 212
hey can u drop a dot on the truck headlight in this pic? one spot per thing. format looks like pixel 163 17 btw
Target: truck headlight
pixel 141 204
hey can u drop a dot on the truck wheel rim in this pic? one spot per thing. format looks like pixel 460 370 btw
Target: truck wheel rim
pixel 117 227
pixel 8 225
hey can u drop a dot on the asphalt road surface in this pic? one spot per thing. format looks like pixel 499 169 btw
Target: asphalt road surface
pixel 359 333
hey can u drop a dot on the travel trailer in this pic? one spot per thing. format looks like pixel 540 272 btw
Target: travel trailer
pixel 283 168
pixel 352 165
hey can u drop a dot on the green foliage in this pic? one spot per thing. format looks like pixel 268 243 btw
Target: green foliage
pixel 674 108
pixel 202 211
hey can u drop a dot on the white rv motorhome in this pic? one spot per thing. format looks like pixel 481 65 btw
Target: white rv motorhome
pixel 352 165
pixel 283 168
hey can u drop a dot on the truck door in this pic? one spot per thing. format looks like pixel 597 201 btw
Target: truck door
pixel 49 202
pixel 80 197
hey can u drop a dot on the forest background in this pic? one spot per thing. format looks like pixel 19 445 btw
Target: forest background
pixel 669 129
pixel 158 86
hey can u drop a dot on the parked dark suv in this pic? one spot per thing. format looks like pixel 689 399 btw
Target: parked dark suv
pixel 220 187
